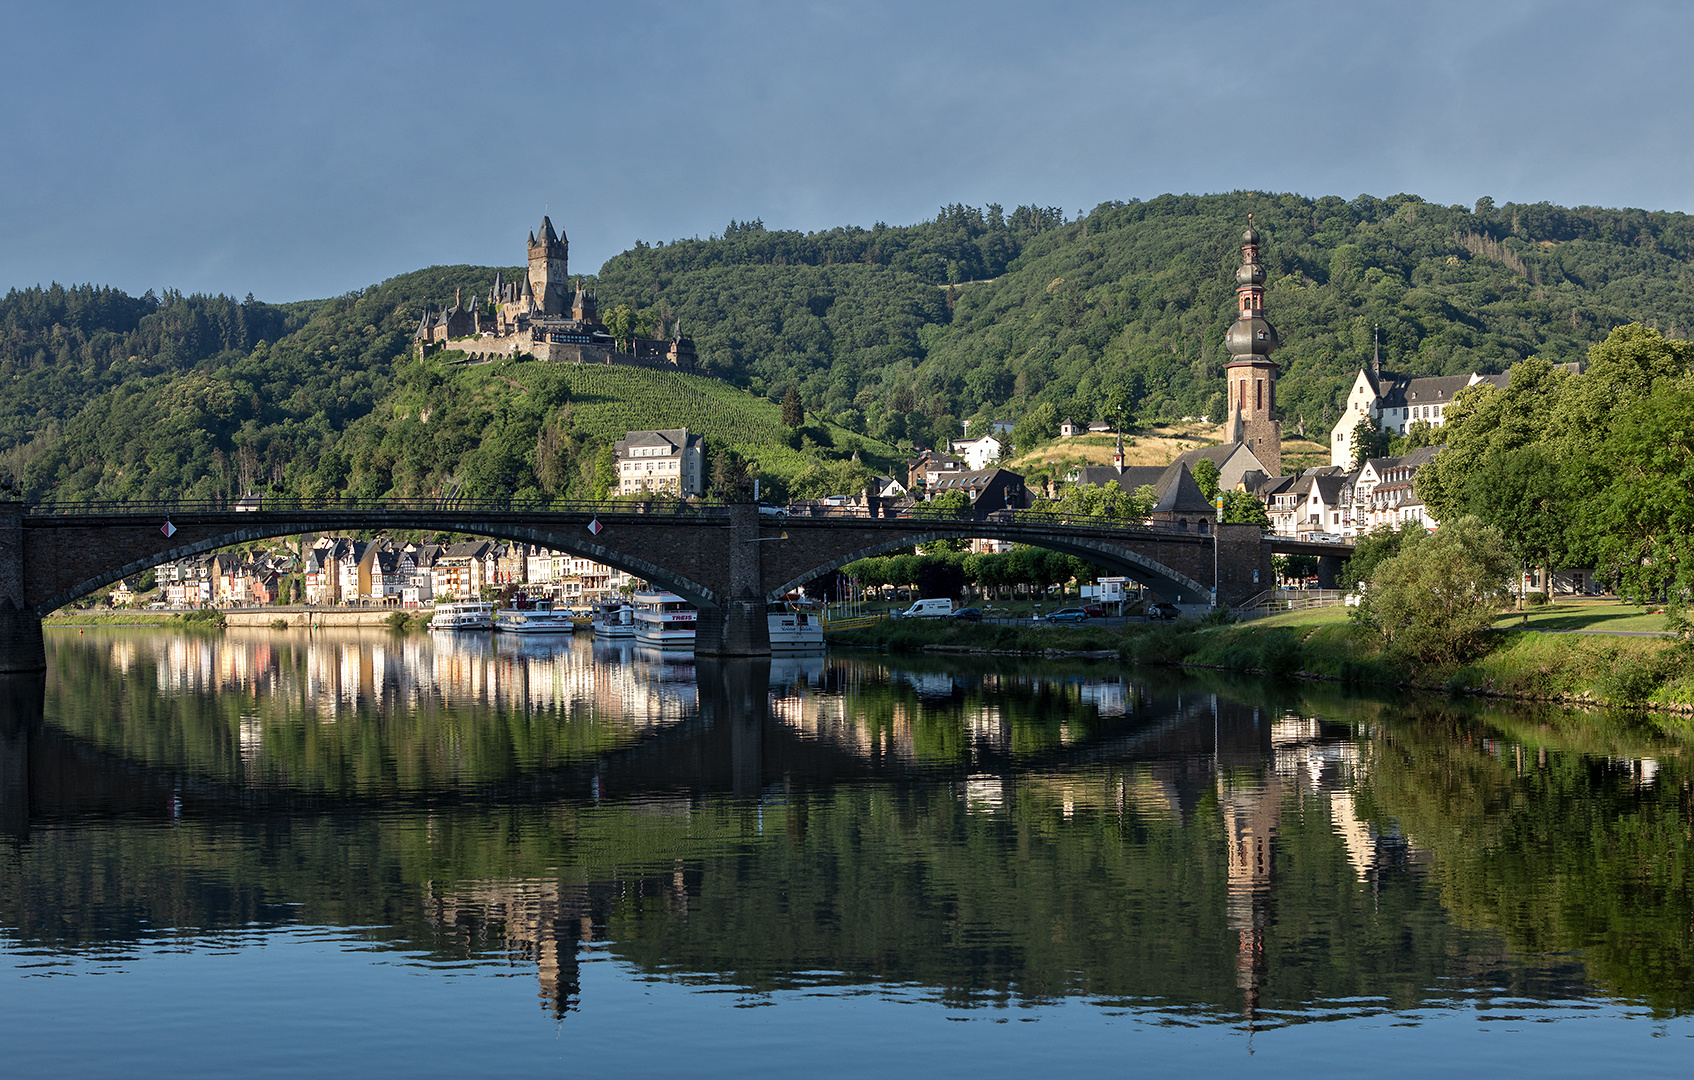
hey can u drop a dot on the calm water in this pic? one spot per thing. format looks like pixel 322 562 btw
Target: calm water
pixel 259 852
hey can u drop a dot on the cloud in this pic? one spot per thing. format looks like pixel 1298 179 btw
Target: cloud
pixel 306 150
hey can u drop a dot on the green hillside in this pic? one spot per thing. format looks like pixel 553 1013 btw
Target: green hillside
pixel 893 335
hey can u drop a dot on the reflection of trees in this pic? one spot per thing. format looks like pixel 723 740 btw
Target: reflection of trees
pixel 1039 834
pixel 1558 852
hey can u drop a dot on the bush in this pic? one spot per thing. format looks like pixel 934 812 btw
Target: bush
pixel 1435 600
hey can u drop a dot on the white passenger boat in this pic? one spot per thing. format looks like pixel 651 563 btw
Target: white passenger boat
pixel 527 616
pixel 462 616
pixel 794 628
pixel 614 620
pixel 664 619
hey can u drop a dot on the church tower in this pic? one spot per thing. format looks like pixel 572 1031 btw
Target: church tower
pixel 548 279
pixel 1250 371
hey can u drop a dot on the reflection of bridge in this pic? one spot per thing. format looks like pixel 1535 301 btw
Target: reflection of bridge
pixel 728 560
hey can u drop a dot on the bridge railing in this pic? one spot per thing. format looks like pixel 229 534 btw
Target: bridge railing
pixel 295 504
pixel 662 505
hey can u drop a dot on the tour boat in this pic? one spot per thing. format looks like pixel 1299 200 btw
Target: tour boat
pixel 614 620
pixel 462 616
pixel 794 628
pixel 664 618
pixel 527 616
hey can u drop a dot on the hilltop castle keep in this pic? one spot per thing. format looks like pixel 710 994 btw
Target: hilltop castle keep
pixel 542 316
pixel 1251 372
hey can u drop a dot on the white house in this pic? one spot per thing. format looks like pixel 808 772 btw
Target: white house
pixel 669 460
pixel 978 454
pixel 1396 402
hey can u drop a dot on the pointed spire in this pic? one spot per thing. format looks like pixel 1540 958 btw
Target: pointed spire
pixel 1117 455
pixel 1376 353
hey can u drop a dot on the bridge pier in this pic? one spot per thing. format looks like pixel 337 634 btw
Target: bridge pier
pixel 1329 571
pixel 738 627
pixel 21 701
pixel 21 647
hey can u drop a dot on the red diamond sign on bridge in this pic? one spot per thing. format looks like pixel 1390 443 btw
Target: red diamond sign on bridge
pixel 168 529
pixel 595 526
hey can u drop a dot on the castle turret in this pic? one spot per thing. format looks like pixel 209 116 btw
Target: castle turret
pixel 584 308
pixel 549 278
pixel 1250 371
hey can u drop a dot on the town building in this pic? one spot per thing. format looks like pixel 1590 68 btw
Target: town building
pixel 1395 403
pixel 670 461
pixel 988 489
pixel 978 454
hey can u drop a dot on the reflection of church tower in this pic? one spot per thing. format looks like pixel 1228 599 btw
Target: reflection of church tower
pixel 548 262
pixel 1252 807
pixel 1251 371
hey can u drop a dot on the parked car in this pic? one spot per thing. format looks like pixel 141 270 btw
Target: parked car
pixel 967 614
pixel 771 510
pixel 1163 610
pixel 1069 614
pixel 1095 611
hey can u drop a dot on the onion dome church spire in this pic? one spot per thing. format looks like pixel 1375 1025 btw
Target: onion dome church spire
pixel 1251 373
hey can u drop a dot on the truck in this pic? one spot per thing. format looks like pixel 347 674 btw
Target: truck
pixel 933 608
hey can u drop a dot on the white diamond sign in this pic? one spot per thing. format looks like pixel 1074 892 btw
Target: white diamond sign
pixel 595 526
pixel 168 529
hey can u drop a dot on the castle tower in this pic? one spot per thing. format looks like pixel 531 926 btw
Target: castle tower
pixel 1250 371
pixel 549 257
pixel 584 308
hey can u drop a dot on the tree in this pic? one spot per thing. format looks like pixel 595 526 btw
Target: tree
pixel 1642 519
pixel 1522 493
pixel 793 414
pixel 620 323
pixel 1205 473
pixel 605 473
pixel 1244 508
pixel 1373 549
pixel 1369 441
pixel 1434 600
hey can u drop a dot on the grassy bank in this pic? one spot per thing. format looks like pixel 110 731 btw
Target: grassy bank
pixel 125 617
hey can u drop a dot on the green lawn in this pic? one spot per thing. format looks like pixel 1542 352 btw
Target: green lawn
pixel 1324 616
pixel 1585 614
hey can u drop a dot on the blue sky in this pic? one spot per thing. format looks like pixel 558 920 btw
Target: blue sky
pixel 303 150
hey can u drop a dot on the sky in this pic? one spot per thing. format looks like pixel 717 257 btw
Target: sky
pixel 302 150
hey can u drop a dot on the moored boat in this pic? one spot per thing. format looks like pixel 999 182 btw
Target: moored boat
pixel 794 628
pixel 462 615
pixel 534 616
pixel 614 620
pixel 664 618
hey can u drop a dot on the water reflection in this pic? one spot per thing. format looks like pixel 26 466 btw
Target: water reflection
pixel 995 834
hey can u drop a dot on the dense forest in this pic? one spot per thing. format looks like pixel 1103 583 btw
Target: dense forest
pixel 892 335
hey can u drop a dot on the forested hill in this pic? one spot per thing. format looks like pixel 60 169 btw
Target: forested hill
pixel 895 333
pixel 1129 305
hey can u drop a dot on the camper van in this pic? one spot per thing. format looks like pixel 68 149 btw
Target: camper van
pixel 936 608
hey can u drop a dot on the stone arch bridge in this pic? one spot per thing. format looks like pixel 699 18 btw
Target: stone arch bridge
pixel 728 560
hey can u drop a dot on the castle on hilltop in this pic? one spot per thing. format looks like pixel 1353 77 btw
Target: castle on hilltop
pixel 543 317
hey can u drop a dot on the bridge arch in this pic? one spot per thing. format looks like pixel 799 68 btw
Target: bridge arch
pixel 554 538
pixel 1162 579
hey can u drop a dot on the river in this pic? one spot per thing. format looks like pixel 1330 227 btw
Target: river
pixel 365 853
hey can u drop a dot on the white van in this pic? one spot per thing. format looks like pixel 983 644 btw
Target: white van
pixel 936 608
